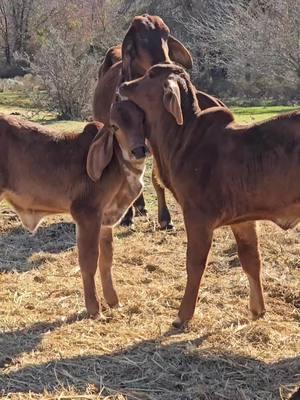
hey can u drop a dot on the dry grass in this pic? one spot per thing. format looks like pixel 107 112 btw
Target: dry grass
pixel 49 350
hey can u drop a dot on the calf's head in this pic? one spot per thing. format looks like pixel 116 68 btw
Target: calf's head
pixel 163 88
pixel 148 42
pixel 129 119
pixel 130 135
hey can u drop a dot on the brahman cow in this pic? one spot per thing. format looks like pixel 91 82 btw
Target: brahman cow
pixel 94 176
pixel 220 172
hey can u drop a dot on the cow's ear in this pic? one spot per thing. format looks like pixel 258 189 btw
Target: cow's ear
pixel 100 154
pixel 128 55
pixel 112 56
pixel 172 100
pixel 179 53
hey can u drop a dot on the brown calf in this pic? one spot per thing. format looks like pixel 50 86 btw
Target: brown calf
pixel 92 176
pixel 221 173
pixel 146 43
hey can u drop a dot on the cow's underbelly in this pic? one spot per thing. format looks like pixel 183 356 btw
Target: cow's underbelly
pixel 31 211
pixel 271 197
pixel 288 222
pixel 286 217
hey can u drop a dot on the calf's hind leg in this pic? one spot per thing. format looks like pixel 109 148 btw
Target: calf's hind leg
pixel 139 205
pixel 164 217
pixel 88 232
pixel 105 265
pixel 248 251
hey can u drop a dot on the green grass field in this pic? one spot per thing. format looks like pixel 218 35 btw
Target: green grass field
pixel 17 102
pixel 252 114
pixel 50 350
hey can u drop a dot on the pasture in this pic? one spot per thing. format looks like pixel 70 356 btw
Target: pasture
pixel 49 350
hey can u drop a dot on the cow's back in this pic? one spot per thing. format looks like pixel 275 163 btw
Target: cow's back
pixel 259 165
pixel 37 163
pixel 238 169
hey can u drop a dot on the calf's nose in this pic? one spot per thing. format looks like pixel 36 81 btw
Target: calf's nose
pixel 139 152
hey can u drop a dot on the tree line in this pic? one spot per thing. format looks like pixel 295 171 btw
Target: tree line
pixel 241 48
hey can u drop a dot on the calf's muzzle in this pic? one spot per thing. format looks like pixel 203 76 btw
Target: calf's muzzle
pixel 140 152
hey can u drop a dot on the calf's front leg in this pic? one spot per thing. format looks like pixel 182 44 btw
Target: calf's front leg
pixel 105 265
pixel 199 237
pixel 139 205
pixel 88 231
pixel 248 251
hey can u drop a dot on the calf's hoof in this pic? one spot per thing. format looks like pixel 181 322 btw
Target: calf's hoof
pixel 110 295
pixel 179 324
pixel 116 306
pixel 114 303
pixel 127 223
pixel 99 317
pixel 257 315
pixel 93 309
pixel 166 226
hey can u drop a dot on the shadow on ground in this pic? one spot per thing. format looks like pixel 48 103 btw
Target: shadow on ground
pixel 18 245
pixel 16 342
pixel 147 370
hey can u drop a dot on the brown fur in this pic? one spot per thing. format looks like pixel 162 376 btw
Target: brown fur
pixel 147 42
pixel 42 174
pixel 221 173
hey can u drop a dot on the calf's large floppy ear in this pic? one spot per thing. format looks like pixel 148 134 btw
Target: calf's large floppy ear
pixel 100 153
pixel 179 53
pixel 172 100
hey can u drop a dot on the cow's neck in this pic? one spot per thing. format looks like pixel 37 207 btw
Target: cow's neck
pixel 130 186
pixel 132 171
pixel 167 138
